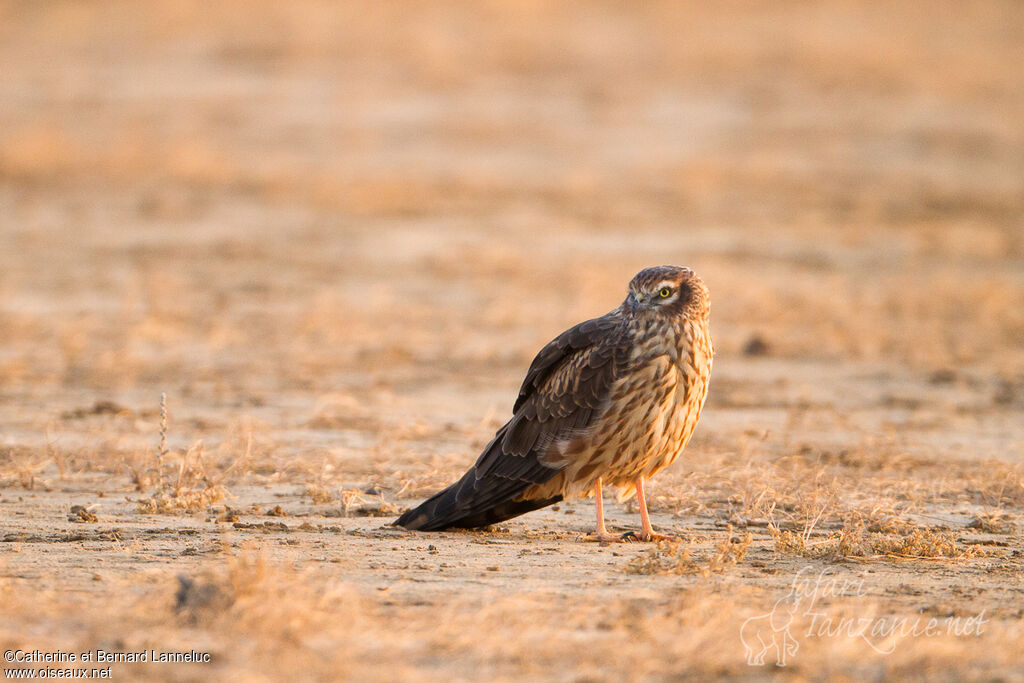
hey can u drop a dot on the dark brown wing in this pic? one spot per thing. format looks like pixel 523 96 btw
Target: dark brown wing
pixel 566 386
pixel 567 382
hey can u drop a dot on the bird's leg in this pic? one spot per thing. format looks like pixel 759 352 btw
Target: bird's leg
pixel 646 530
pixel 599 508
pixel 601 535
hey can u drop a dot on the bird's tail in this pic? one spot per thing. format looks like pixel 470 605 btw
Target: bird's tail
pixel 496 488
pixel 442 511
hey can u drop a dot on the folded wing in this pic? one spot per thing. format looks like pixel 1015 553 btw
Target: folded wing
pixel 565 390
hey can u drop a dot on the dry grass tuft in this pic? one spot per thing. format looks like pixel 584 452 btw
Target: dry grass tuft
pixel 318 493
pixel 921 543
pixel 999 485
pixel 993 522
pixel 23 467
pixel 856 540
pixel 672 556
pixel 171 499
pixel 196 485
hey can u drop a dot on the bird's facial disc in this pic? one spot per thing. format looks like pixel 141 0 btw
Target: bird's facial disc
pixel 671 291
pixel 660 294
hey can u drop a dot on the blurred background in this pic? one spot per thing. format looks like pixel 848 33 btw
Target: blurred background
pixel 232 201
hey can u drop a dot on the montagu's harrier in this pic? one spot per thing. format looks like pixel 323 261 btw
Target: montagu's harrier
pixel 610 401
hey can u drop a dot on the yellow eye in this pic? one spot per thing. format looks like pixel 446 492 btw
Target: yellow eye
pixel 665 293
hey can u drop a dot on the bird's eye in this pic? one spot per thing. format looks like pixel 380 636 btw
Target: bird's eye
pixel 665 292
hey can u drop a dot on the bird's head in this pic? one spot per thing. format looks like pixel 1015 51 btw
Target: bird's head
pixel 669 290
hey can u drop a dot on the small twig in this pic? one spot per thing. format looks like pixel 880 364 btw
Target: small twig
pixel 163 441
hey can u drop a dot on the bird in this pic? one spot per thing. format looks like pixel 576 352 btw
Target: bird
pixel 609 402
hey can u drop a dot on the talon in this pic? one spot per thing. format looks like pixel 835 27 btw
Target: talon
pixel 603 539
pixel 642 537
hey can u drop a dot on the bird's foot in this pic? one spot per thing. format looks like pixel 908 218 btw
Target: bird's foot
pixel 602 537
pixel 644 537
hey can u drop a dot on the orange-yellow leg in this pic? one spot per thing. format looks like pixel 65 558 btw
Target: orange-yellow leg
pixel 646 530
pixel 601 535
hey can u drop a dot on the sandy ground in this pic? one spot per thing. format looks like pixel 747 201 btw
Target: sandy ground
pixel 335 235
